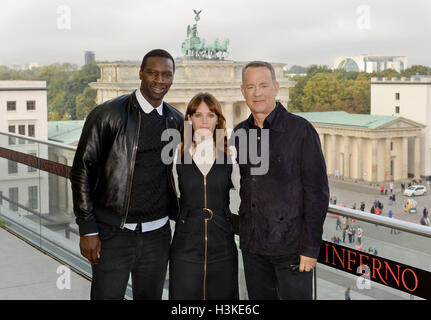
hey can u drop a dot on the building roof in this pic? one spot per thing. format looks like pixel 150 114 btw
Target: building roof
pixel 342 118
pixel 67 132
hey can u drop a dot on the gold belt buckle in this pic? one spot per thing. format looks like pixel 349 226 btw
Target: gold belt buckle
pixel 211 214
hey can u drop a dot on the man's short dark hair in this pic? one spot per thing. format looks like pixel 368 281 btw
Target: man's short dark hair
pixel 157 53
pixel 255 64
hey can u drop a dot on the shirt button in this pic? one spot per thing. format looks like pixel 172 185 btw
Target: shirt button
pixel 253 205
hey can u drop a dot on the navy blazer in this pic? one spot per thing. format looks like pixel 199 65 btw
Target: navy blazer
pixel 283 211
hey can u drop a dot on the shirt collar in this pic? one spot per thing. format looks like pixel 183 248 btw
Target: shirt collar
pixel 269 120
pixel 145 105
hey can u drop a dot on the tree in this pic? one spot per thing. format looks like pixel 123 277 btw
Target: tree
pixel 322 89
pixel 76 84
pixel 54 116
pixel 85 102
pixel 388 73
pixel 416 70
pixel 314 69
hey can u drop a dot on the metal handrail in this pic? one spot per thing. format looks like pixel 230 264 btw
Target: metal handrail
pixel 333 209
pixel 401 225
pixel 46 142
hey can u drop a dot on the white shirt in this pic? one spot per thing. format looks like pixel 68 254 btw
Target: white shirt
pixel 156 224
pixel 145 105
pixel 204 158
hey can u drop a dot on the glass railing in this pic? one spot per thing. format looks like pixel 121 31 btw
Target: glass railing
pixel 36 204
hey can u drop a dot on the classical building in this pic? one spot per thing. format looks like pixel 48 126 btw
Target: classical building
pixel 24 111
pixel 368 63
pixel 366 147
pixel 409 98
pixel 222 78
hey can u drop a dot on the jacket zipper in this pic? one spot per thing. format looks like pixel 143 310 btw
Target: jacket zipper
pixel 206 236
pixel 132 169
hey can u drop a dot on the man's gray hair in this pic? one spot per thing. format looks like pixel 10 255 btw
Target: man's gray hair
pixel 255 64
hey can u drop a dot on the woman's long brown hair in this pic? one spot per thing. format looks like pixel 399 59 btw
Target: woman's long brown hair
pixel 213 106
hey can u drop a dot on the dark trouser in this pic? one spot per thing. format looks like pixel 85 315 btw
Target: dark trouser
pixel 143 254
pixel 272 278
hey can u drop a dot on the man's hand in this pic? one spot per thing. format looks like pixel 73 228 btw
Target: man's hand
pixel 90 248
pixel 306 263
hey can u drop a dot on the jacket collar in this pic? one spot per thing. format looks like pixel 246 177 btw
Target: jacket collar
pixel 276 120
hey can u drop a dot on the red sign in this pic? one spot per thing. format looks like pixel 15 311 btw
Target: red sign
pixel 384 271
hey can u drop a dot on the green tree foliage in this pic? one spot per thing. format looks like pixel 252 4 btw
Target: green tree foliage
pixel 65 82
pixel 85 102
pixel 323 89
pixel 417 69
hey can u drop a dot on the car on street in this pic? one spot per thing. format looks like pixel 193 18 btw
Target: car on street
pixel 415 190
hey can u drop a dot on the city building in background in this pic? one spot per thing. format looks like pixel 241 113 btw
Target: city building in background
pixel 409 98
pixel 222 78
pixel 24 111
pixel 89 56
pixel 369 63
pixel 365 147
pixel 203 67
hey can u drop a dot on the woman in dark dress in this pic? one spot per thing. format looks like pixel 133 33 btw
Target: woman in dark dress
pixel 204 257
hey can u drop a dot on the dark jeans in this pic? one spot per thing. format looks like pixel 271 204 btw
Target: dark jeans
pixel 274 278
pixel 143 254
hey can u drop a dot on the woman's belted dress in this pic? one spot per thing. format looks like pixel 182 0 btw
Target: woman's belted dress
pixel 204 257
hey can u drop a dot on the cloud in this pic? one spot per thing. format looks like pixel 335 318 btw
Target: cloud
pixel 295 32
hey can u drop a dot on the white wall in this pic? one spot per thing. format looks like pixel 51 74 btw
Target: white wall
pixel 414 103
pixel 21 92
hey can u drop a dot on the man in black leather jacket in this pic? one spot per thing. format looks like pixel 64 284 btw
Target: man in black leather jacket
pixel 123 191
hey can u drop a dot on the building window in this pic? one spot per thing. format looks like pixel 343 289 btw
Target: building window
pixel 397 109
pixel 397 96
pixel 30 168
pixel 31 130
pixel 12 140
pixel 12 167
pixel 21 130
pixel 31 105
pixel 11 105
pixel 32 197
pixel 392 146
pixel 13 199
pixel 1 197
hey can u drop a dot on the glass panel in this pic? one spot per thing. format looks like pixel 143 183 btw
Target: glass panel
pixel 21 206
pixel 389 243
pixel 38 206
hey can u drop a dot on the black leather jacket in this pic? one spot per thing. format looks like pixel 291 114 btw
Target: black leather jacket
pixel 104 161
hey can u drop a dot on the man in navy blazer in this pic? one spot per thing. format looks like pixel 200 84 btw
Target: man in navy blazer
pixel 282 211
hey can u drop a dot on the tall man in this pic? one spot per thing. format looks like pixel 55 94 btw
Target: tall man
pixel 281 212
pixel 123 194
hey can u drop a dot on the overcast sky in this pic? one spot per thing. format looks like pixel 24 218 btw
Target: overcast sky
pixel 296 32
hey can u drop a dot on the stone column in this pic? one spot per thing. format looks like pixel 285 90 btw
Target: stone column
pixel 405 158
pixel 346 172
pixel 322 144
pixel 417 168
pixel 229 116
pixel 373 160
pixel 359 157
pixel 333 154
pixel 62 187
pixel 387 159
pixel 69 208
